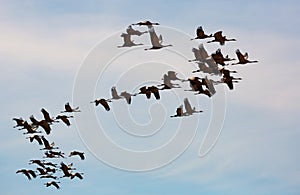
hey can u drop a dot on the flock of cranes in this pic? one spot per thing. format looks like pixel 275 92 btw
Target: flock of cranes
pixel 215 64
pixel 210 65
pixel 44 168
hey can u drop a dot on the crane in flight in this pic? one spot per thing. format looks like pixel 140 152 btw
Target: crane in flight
pixel 218 37
pixel 155 40
pixel 103 102
pixel 200 34
pixel 243 58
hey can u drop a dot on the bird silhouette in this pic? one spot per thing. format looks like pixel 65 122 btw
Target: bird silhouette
pixel 20 122
pixel 155 92
pixel 38 162
pixel 131 31
pixel 179 112
pixel 103 102
pixel 229 81
pixel 52 183
pixel 42 123
pixel 35 137
pixel 200 54
pixel 69 109
pixel 127 41
pixel 218 37
pixel 80 154
pixel 64 119
pixel 114 94
pixel 79 175
pixel 27 172
pixel 200 34
pixel 243 58
pixel 127 96
pixel 188 108
pixel 47 116
pixel 219 58
pixel 196 85
pixel 146 23
pixel 155 40
pixel 47 146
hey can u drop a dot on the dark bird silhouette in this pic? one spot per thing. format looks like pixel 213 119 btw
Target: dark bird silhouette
pixel 48 176
pixel 50 164
pixel 35 137
pixel 50 155
pixel 200 34
pixel 155 40
pixel 41 171
pixel 69 109
pixel 127 96
pixel 146 23
pixel 146 91
pixel 188 108
pixel 30 128
pixel 131 31
pixel 196 85
pixel 103 102
pixel 219 58
pixel 47 116
pixel 218 37
pixel 58 154
pixel 226 73
pixel 79 175
pixel 243 58
pixel 47 145
pixel 65 170
pixel 64 119
pixel 127 41
pixel 27 172
pixel 155 92
pixel 52 183
pixel 38 162
pixel 43 123
pixel 20 122
pixel 179 112
pixel 229 81
pixel 80 154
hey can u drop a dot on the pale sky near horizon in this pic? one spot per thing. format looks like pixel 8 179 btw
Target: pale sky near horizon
pixel 44 44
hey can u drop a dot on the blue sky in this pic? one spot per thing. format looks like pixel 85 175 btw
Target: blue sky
pixel 44 44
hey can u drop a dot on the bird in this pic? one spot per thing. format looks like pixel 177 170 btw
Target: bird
pixel 219 58
pixel 155 40
pixel 179 112
pixel 35 137
pixel 48 176
pixel 218 37
pixel 79 175
pixel 58 154
pixel 146 23
pixel 196 85
pixel 127 41
pixel 80 154
pixel 103 102
pixel 188 108
pixel 68 108
pixel 38 162
pixel 200 54
pixel 30 128
pixel 229 81
pixel 155 92
pixel 210 85
pixel 200 34
pixel 41 171
pixel 203 68
pixel 167 83
pixel 65 170
pixel 47 145
pixel 127 96
pixel 226 72
pixel 53 183
pixel 146 91
pixel 243 58
pixel 64 119
pixel 131 31
pixel 172 75
pixel 27 172
pixel 50 164
pixel 47 116
pixel 20 122
pixel 43 123
pixel 114 94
